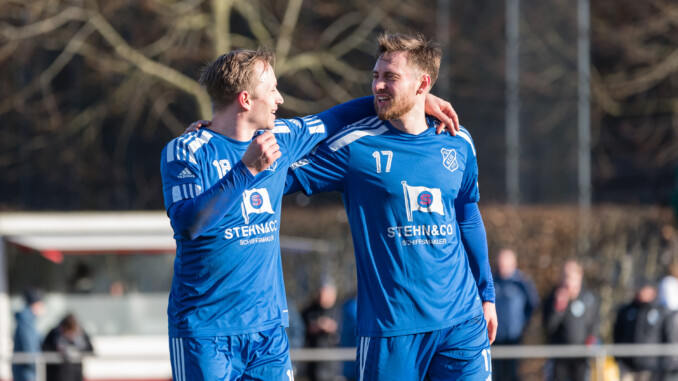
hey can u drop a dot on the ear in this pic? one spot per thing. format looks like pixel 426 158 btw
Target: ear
pixel 245 100
pixel 424 84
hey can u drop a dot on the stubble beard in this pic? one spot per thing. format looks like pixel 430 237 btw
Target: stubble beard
pixel 399 107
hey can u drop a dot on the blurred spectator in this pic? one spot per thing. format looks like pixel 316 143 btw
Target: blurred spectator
pixel 668 297
pixel 640 322
pixel 296 334
pixel 27 339
pixel 571 317
pixel 82 280
pixel 349 335
pixel 71 342
pixel 117 289
pixel 517 299
pixel 668 288
pixel 322 331
pixel 670 363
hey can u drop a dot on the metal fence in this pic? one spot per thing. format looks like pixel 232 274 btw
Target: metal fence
pixel 598 353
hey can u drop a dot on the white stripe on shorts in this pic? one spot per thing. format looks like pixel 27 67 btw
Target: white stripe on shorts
pixel 178 369
pixel 364 345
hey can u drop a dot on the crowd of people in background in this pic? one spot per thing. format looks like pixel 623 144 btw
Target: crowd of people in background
pixel 569 313
pixel 68 339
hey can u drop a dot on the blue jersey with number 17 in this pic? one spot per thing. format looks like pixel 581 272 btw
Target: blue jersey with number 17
pixel 228 280
pixel 400 192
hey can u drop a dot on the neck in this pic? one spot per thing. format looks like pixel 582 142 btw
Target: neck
pixel 232 123
pixel 414 121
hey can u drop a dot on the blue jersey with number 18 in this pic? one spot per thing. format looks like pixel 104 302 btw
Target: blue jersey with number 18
pixel 400 192
pixel 228 279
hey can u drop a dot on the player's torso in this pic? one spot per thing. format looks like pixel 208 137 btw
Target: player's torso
pixel 235 263
pixel 407 182
pixel 399 192
pixel 257 212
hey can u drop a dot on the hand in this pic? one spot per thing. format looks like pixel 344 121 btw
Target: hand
pixel 195 126
pixel 261 153
pixel 443 111
pixel 327 324
pixel 491 319
pixel 561 299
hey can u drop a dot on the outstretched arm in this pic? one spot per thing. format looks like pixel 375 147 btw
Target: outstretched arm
pixel 474 239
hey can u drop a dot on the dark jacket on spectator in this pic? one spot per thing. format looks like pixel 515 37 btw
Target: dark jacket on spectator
pixel 576 323
pixel 640 323
pixel 516 300
pixel 72 349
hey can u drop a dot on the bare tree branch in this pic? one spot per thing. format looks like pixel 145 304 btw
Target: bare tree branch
pixel 151 67
pixel 282 49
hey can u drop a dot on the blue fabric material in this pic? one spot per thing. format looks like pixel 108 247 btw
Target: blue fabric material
pixel 517 299
pixel 460 352
pixel 227 271
pixel 400 192
pixel 474 238
pixel 26 339
pixel 260 356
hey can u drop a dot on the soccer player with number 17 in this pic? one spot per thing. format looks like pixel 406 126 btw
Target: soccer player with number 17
pixel 425 291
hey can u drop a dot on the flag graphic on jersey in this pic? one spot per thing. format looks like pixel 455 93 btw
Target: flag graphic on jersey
pixel 256 201
pixel 422 199
pixel 450 159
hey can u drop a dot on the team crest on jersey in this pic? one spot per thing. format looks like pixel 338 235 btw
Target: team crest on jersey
pixel 450 159
pixel 255 201
pixel 422 199
pixel 273 166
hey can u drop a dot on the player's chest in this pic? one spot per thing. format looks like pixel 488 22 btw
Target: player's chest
pixel 384 168
pixel 220 161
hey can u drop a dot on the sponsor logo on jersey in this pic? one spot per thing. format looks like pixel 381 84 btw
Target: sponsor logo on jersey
pixel 256 201
pixel 450 159
pixel 186 173
pixel 245 231
pixel 422 199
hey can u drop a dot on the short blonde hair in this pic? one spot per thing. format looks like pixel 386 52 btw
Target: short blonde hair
pixel 233 73
pixel 421 53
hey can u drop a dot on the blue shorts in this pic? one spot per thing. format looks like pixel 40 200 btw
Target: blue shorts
pixel 253 356
pixel 460 352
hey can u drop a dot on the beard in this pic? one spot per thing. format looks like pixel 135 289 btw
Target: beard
pixel 398 107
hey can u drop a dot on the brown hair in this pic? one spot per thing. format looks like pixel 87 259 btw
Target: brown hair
pixel 421 53
pixel 69 323
pixel 232 73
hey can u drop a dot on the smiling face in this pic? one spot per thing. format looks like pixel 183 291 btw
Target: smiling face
pixel 265 97
pixel 394 86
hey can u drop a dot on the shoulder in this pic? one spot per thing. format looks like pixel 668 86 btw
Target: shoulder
pixel 186 147
pixel 370 126
pixel 465 135
pixel 312 123
pixel 522 277
pixel 462 137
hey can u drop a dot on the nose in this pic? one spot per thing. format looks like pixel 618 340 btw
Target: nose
pixel 279 99
pixel 378 84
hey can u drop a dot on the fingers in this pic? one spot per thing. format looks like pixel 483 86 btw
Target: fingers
pixel 492 333
pixel 195 126
pixel 261 153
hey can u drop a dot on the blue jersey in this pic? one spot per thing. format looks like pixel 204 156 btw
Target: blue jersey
pixel 227 271
pixel 400 192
